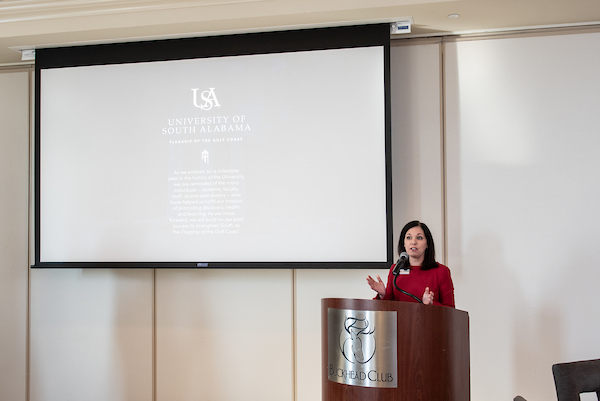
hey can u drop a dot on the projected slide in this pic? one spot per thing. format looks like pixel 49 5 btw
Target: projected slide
pixel 257 158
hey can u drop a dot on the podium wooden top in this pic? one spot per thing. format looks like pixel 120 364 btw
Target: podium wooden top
pixel 378 304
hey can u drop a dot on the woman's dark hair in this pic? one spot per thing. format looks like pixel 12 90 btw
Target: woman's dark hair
pixel 429 261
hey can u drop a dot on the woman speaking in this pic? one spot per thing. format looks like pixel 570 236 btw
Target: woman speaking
pixel 419 278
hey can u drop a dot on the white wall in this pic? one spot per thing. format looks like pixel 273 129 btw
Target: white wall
pixel 522 133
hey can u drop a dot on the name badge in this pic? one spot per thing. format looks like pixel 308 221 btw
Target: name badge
pixel 404 271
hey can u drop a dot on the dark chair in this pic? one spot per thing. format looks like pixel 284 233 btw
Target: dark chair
pixel 573 378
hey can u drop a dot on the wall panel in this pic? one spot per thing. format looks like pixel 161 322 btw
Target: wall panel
pixel 91 334
pixel 523 190
pixel 224 335
pixel 417 165
pixel 14 180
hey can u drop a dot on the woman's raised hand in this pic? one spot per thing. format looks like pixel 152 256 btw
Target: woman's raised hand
pixel 428 297
pixel 377 285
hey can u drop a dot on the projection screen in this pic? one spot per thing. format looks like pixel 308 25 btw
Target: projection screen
pixel 256 150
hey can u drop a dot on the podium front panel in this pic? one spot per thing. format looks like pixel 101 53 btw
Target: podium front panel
pixel 430 351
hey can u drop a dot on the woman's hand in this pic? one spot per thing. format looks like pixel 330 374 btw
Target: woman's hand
pixel 377 285
pixel 428 297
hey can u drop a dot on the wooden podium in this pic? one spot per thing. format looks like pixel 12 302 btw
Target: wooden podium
pixel 432 353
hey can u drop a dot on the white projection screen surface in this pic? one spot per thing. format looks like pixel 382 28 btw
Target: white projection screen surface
pixel 266 159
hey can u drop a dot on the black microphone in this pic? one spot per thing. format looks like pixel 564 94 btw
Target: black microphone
pixel 400 263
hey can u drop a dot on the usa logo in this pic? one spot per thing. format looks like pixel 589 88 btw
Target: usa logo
pixel 208 99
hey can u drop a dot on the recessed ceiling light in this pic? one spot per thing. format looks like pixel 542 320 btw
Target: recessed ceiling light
pixel 453 16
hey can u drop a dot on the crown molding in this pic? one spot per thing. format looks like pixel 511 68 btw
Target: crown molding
pixel 36 10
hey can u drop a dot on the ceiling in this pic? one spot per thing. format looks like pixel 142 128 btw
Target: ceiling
pixel 26 24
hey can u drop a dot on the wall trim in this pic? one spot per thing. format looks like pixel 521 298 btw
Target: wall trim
pixel 506 34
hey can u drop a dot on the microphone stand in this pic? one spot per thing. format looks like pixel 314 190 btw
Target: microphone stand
pixel 405 292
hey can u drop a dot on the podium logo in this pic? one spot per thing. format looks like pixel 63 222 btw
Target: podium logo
pixel 208 98
pixel 357 342
pixel 362 347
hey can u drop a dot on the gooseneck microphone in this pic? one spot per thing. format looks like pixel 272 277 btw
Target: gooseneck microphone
pixel 400 265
